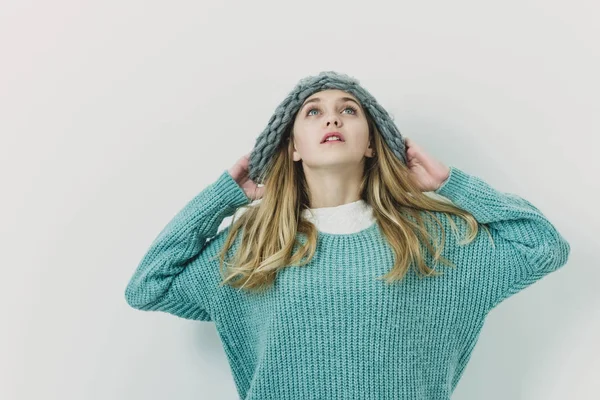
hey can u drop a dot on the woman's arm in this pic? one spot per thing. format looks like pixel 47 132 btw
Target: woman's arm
pixel 172 275
pixel 528 246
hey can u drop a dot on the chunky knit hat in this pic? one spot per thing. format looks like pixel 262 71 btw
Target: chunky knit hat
pixel 268 141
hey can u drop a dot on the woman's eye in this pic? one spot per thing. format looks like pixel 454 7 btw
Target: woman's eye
pixel 345 108
pixel 351 108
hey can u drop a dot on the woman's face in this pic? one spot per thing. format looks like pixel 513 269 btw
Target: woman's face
pixel 329 111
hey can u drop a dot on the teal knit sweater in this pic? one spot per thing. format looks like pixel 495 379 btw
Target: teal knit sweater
pixel 329 329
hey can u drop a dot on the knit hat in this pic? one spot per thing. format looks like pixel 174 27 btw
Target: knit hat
pixel 268 141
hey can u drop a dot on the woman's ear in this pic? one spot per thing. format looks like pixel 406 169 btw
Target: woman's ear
pixel 372 152
pixel 295 155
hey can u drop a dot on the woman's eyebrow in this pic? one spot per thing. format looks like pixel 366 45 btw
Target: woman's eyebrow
pixel 317 99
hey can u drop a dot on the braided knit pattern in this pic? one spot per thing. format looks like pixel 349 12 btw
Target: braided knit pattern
pixel 268 141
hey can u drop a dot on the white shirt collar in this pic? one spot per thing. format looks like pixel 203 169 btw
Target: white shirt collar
pixel 345 218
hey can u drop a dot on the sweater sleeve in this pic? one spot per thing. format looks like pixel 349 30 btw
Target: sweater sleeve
pixel 172 276
pixel 526 244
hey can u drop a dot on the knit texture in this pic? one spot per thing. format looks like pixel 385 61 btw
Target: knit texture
pixel 330 329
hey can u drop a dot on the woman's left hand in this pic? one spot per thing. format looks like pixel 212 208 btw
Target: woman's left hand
pixel 427 172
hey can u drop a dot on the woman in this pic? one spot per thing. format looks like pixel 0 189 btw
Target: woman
pixel 330 286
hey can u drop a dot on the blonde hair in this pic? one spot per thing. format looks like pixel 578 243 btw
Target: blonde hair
pixel 269 227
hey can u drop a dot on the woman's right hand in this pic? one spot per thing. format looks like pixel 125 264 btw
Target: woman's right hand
pixel 239 173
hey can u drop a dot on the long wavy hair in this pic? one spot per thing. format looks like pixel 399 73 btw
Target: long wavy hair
pixel 270 226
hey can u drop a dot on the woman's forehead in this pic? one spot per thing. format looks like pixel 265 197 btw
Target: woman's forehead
pixel 331 93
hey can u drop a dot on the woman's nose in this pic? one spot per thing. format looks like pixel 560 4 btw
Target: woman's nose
pixel 333 119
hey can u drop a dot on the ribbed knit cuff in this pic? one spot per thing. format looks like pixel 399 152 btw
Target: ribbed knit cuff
pixel 227 191
pixel 453 186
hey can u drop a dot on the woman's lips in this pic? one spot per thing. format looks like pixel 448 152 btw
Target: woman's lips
pixel 332 141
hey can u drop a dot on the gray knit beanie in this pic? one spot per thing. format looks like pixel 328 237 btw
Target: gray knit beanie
pixel 268 141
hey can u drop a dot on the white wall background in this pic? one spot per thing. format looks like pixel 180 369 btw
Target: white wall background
pixel 114 114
